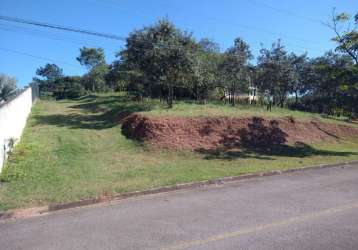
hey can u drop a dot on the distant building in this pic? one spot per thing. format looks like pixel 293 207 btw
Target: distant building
pixel 251 95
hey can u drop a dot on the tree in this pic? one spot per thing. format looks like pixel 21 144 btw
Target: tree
pixel 235 67
pixel 335 85
pixel 117 77
pixel 94 60
pixel 160 57
pixel 91 57
pixel 49 72
pixel 7 87
pixel 209 46
pixel 205 69
pixel 95 79
pixel 302 75
pixel 347 40
pixel 275 72
pixel 346 34
pixel 69 87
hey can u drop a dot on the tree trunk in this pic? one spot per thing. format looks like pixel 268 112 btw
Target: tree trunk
pixel 354 114
pixel 281 100
pixel 281 103
pixel 197 93
pixel 233 95
pixel 170 95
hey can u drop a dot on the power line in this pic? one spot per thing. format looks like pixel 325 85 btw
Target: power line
pixel 82 31
pixel 37 33
pixel 61 27
pixel 74 29
pixel 78 30
pixel 288 12
pixel 38 57
pixel 94 33
pixel 210 18
pixel 240 26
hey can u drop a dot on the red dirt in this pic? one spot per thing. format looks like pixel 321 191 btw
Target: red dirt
pixel 213 132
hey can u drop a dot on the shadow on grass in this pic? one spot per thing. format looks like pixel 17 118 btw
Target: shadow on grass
pixel 95 112
pixel 340 119
pixel 264 141
pixel 299 150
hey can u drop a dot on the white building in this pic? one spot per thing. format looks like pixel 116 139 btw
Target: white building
pixel 251 95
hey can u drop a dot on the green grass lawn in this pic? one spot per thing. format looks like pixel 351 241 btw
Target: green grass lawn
pixel 72 150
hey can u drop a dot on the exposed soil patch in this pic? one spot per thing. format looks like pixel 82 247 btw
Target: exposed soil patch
pixel 226 132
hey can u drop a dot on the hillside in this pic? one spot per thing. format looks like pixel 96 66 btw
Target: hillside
pixel 75 149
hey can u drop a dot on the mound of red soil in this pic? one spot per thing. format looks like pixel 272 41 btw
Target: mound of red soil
pixel 213 132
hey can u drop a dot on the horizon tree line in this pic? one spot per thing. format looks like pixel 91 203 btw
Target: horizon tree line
pixel 164 62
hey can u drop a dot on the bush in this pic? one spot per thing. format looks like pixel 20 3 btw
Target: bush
pixel 74 90
pixel 69 87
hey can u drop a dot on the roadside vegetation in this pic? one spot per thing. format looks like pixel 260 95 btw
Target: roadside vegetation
pixel 74 149
pixel 7 87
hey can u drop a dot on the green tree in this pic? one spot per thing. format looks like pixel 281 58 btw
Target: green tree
pixel 117 77
pixel 302 75
pixel 209 46
pixel 347 40
pixel 275 73
pixel 95 79
pixel 47 77
pixel 94 60
pixel 346 34
pixel 335 85
pixel 91 57
pixel 235 69
pixel 69 87
pixel 160 57
pixel 7 87
pixel 49 72
pixel 205 69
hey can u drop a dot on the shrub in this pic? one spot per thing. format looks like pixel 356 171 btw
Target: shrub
pixel 69 87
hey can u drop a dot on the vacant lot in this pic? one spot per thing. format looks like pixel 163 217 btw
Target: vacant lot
pixel 72 150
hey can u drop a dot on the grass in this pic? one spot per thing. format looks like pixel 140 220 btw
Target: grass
pixel 190 109
pixel 72 150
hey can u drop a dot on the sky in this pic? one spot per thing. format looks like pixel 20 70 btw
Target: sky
pixel 24 48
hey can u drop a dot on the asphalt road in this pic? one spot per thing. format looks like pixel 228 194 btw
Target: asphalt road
pixel 313 209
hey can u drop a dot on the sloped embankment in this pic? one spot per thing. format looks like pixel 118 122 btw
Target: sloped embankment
pixel 213 132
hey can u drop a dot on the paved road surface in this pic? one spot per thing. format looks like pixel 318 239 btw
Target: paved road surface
pixel 314 209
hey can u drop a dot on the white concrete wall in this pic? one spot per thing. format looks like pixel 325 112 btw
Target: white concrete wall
pixel 13 116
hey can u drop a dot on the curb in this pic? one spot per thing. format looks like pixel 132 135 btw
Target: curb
pixel 37 211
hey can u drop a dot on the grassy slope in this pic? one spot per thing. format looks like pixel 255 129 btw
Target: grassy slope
pixel 72 150
pixel 188 109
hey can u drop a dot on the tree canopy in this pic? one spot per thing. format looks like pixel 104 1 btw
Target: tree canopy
pixel 7 87
pixel 346 34
pixel 161 61
pixel 91 57
pixel 49 72
pixel 234 68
